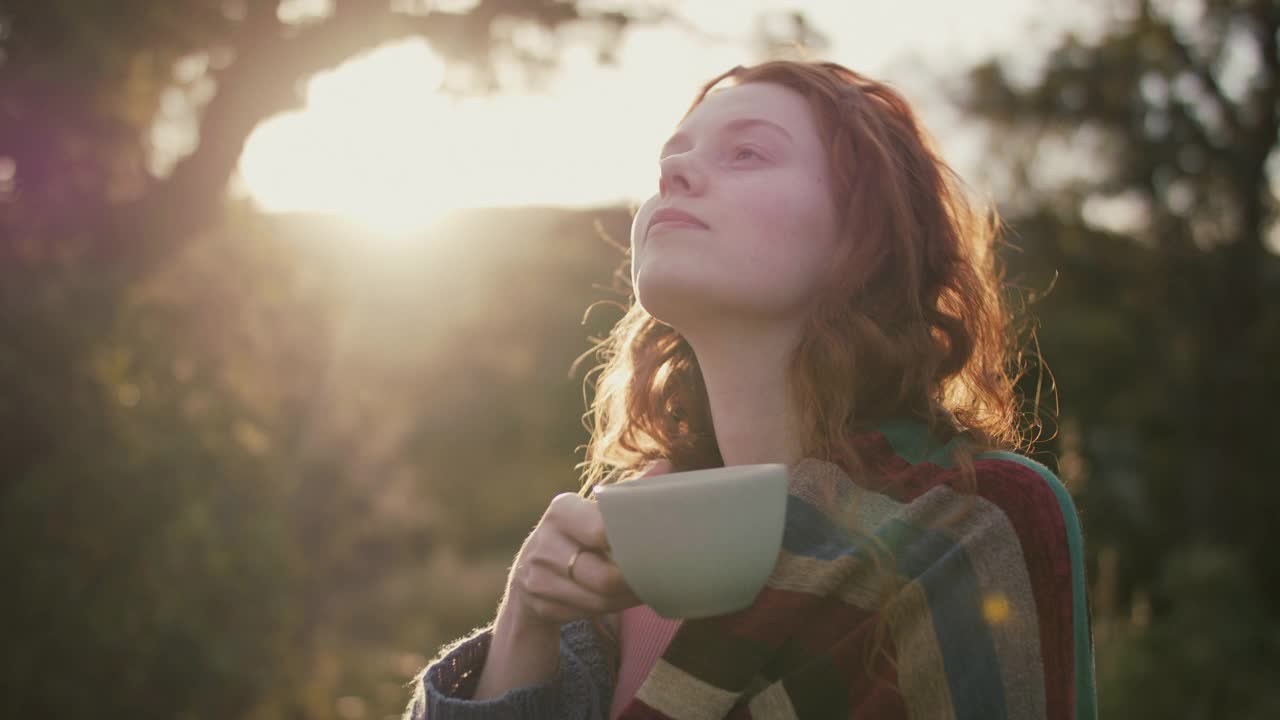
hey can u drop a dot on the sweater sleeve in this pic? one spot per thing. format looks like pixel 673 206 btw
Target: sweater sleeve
pixel 581 689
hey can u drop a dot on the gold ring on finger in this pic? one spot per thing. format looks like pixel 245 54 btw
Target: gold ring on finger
pixel 573 560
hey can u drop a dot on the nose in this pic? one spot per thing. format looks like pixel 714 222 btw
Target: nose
pixel 679 173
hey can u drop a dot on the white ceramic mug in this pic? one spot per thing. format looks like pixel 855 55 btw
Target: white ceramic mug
pixel 697 543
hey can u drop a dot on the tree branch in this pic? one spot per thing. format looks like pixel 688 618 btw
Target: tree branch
pixel 271 60
pixel 1203 72
pixel 1266 17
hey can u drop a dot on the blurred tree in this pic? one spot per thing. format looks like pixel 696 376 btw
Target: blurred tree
pixel 1138 172
pixel 193 491
pixel 788 35
pixel 1174 668
pixel 82 82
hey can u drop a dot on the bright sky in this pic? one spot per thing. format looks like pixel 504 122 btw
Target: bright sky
pixel 376 144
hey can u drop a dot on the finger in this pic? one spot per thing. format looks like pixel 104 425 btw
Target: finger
pixel 593 572
pixel 554 589
pixel 580 520
pixel 597 574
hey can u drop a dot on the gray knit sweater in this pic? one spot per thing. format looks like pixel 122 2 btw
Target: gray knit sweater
pixel 582 689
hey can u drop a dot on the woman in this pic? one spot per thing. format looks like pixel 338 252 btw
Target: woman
pixel 812 288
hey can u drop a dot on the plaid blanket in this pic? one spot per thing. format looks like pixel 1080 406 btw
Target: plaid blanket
pixel 989 620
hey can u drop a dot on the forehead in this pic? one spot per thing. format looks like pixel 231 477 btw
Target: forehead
pixel 769 101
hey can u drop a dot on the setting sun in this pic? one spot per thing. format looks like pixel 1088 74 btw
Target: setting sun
pixel 376 143
pixel 368 146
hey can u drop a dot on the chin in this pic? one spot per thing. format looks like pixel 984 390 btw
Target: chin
pixel 680 300
pixel 661 298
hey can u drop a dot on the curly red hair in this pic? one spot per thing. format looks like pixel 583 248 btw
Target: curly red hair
pixel 911 323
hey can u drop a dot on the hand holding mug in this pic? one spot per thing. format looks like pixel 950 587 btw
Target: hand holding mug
pixel 563 571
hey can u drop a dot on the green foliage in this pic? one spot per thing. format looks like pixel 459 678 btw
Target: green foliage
pixel 283 470
pixel 1134 179
pixel 150 574
pixel 240 461
pixel 1215 652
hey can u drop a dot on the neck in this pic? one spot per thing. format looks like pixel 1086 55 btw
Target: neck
pixel 746 377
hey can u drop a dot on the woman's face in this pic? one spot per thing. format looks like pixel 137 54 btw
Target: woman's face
pixel 762 193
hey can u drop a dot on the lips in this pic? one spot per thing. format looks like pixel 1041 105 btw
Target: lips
pixel 672 215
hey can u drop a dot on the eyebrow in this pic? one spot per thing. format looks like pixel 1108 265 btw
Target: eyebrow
pixel 737 124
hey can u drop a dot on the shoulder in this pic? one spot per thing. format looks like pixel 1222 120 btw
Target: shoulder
pixel 1001 468
pixel 1011 506
pixel 1006 483
pixel 1029 494
pixel 1010 498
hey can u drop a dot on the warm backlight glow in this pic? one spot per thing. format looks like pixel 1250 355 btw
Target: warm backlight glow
pixel 378 144
pixel 375 142
pixel 371 145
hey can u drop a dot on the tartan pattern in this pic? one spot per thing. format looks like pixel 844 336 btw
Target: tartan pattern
pixel 989 621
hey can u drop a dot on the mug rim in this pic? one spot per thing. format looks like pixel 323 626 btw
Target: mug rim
pixel 669 479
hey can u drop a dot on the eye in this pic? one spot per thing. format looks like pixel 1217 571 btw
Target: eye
pixel 745 149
